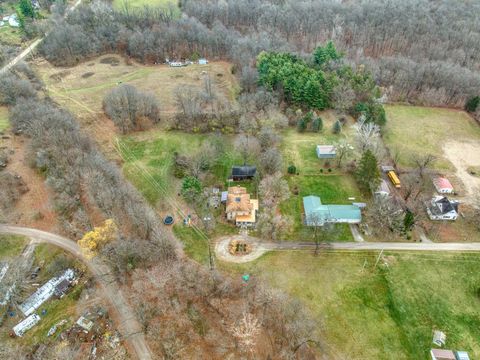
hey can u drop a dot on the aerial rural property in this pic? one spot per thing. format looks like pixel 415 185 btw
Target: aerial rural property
pixel 240 179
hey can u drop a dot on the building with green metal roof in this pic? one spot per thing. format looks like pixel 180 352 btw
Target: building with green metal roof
pixel 317 214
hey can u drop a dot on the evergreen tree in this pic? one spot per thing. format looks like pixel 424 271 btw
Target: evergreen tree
pixel 337 127
pixel 408 220
pixel 324 54
pixel 472 104
pixel 317 124
pixel 26 8
pixel 301 125
pixel 368 174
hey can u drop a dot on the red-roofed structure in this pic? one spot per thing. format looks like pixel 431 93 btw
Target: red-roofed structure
pixel 442 185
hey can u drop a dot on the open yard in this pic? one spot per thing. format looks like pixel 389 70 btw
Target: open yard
pixel 154 152
pixel 332 189
pixel 386 312
pixel 414 130
pixel 299 148
pixel 316 177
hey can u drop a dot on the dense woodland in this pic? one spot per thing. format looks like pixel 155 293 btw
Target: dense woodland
pixel 419 51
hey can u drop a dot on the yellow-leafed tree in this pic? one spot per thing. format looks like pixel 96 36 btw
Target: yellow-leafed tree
pixel 94 240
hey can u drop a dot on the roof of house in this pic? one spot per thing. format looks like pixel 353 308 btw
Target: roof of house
pixel 238 199
pixel 252 216
pixel 387 168
pixel 315 211
pixel 244 170
pixel 462 355
pixel 326 149
pixel 444 205
pixel 442 183
pixel 441 354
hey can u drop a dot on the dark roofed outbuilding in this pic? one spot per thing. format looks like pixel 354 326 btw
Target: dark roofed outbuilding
pixel 243 172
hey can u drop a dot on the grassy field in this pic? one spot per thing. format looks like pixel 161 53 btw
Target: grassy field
pixel 4 124
pixel 419 130
pixel 300 148
pixel 155 152
pixel 11 245
pixel 387 312
pixel 83 87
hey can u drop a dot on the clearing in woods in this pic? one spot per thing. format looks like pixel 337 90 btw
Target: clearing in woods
pixel 414 130
pixel 82 88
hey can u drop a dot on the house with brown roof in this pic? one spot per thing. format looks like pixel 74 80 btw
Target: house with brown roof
pixel 240 208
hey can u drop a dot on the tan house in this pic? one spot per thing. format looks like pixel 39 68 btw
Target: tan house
pixel 240 209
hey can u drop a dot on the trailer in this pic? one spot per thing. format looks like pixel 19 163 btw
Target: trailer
pixel 22 327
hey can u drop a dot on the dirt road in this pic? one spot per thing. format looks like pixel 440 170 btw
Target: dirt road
pixel 128 325
pixel 259 247
pixel 35 44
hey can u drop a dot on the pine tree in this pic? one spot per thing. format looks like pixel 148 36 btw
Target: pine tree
pixel 368 174
pixel 337 127
pixel 408 220
pixel 26 8
pixel 301 125
pixel 317 124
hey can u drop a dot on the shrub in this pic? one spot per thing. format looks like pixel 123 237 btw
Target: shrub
pixel 337 127
pixel 472 104
pixel 191 187
pixel 317 124
pixel 292 169
pixel 301 125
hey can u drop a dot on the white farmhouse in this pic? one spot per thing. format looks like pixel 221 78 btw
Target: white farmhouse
pixel 441 208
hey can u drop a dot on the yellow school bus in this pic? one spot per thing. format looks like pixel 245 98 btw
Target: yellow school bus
pixel 394 178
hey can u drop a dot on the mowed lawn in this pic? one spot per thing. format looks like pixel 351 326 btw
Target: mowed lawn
pixel 299 149
pixel 332 189
pixel 414 130
pixel 333 186
pixel 386 312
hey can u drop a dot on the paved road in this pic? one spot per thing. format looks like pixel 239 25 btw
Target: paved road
pixel 128 325
pixel 35 44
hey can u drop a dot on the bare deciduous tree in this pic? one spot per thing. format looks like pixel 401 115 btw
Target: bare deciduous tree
pixel 273 190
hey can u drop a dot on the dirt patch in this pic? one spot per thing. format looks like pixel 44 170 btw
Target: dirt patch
pixel 33 209
pixel 111 60
pixel 222 249
pixel 87 75
pixel 465 155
